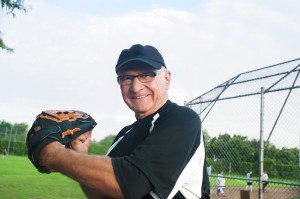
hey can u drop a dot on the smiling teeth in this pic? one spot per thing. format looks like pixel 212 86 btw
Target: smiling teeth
pixel 139 97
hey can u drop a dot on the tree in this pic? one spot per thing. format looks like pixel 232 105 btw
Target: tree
pixel 206 136
pixel 11 6
pixel 102 146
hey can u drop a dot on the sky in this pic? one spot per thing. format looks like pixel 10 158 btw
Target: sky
pixel 65 52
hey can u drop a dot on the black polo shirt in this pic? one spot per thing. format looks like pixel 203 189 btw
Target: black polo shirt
pixel 162 156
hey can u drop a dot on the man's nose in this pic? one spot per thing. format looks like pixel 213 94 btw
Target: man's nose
pixel 136 85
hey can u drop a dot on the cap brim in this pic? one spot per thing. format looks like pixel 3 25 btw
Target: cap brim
pixel 138 62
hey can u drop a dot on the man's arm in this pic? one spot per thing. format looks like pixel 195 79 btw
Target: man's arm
pixel 81 144
pixel 94 173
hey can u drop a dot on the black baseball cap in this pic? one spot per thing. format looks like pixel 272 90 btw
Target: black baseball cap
pixel 139 55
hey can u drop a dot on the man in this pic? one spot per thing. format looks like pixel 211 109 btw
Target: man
pixel 265 179
pixel 161 155
pixel 249 181
pixel 4 152
pixel 220 184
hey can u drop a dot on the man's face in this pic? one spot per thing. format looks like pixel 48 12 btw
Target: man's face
pixel 145 98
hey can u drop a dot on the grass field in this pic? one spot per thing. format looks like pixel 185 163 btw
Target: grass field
pixel 19 179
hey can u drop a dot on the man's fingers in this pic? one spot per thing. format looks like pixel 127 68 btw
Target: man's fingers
pixel 84 136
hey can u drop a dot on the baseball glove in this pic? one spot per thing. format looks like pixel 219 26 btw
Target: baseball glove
pixel 56 125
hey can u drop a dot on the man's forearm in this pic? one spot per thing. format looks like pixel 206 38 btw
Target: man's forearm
pixel 94 173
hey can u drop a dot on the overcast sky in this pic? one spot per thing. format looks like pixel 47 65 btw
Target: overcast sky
pixel 65 51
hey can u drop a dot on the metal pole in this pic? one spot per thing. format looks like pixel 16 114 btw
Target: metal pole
pixel 15 139
pixel 200 111
pixel 8 148
pixel 5 132
pixel 261 148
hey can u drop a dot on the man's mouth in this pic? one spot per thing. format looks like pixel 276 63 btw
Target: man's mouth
pixel 140 97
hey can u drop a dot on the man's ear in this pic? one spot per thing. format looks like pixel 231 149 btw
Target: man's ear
pixel 168 78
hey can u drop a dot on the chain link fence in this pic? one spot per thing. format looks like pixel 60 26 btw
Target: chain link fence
pixel 252 123
pixel 12 140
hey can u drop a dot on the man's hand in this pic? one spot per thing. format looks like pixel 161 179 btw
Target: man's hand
pixel 81 144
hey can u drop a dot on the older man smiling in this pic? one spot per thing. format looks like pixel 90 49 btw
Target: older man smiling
pixel 161 155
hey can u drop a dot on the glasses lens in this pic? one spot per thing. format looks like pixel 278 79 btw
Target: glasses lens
pixel 125 79
pixel 144 77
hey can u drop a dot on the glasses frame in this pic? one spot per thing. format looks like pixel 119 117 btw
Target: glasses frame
pixel 151 74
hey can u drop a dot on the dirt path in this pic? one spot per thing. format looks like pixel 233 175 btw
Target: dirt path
pixel 270 193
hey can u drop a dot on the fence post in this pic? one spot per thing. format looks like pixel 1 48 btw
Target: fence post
pixel 15 139
pixel 8 148
pixel 261 148
pixel 5 132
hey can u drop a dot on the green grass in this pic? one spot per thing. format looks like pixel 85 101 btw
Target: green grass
pixel 242 183
pixel 19 179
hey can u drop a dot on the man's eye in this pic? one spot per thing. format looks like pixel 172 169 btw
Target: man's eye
pixel 144 75
pixel 147 75
pixel 127 77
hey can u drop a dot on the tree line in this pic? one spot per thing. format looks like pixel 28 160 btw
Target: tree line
pixel 13 139
pixel 235 154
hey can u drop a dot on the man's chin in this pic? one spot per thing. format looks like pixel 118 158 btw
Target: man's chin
pixel 141 112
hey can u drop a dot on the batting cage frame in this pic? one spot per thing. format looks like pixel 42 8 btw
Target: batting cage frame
pixel 251 123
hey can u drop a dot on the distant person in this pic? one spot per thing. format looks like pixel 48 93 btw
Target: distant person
pixel 249 181
pixel 220 184
pixel 4 152
pixel 265 178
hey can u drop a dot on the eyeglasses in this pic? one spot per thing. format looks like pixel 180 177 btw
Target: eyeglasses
pixel 144 77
